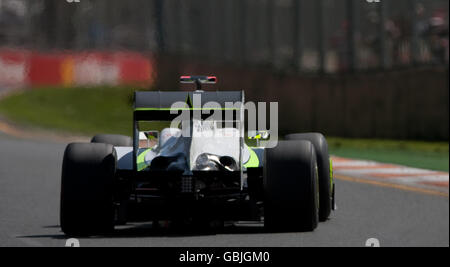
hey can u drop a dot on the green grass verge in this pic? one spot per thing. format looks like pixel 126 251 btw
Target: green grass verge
pixel 428 155
pixel 95 110
pixel 79 110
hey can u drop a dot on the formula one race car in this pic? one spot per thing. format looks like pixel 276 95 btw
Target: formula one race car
pixel 195 169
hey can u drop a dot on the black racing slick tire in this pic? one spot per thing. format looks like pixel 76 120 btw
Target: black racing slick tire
pixel 113 139
pixel 323 162
pixel 291 187
pixel 87 183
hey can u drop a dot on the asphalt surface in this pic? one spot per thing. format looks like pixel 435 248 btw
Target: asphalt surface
pixel 29 208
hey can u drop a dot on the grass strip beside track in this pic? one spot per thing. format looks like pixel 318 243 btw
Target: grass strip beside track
pixel 419 154
pixel 80 110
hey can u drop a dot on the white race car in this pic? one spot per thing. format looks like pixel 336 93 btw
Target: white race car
pixel 196 169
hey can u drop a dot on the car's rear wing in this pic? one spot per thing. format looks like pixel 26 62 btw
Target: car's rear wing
pixel 159 106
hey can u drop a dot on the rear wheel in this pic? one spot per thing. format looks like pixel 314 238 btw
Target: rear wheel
pixel 87 189
pixel 113 139
pixel 291 187
pixel 323 162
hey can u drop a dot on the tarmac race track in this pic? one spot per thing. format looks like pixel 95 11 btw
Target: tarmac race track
pixel 29 212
